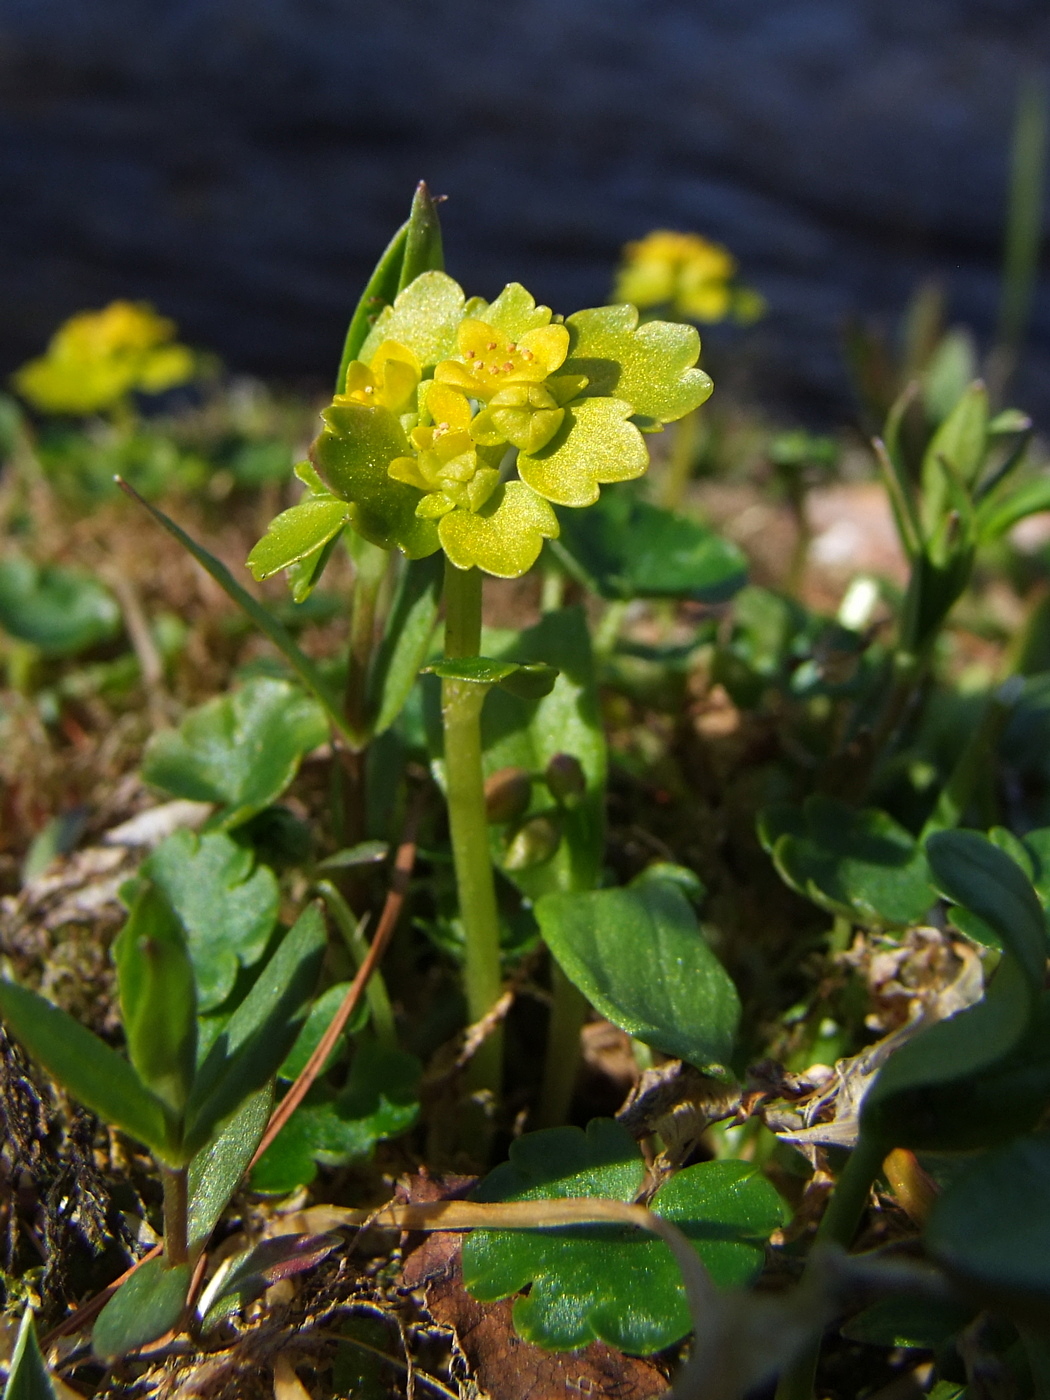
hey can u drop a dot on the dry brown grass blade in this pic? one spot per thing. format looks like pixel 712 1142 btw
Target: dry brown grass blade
pixel 403 864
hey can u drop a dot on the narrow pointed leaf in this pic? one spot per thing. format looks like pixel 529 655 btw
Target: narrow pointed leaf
pixel 423 252
pixel 216 1170
pixel 406 640
pixel 95 1075
pixel 28 1377
pixel 378 294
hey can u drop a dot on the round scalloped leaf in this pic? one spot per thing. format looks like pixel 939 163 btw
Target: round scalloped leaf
pixel 596 444
pixel 352 455
pixel 860 864
pixel 652 366
pixel 612 1283
pixel 991 1224
pixel 61 611
pixel 425 317
pixel 226 904
pixel 297 532
pixel 514 312
pixel 504 537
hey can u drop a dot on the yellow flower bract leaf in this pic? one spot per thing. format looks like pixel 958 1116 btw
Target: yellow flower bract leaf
pixel 505 537
pixel 595 445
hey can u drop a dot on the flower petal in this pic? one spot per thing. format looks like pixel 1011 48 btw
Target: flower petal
pixel 651 367
pixel 595 444
pixel 505 537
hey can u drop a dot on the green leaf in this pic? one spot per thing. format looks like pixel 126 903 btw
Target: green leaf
pixel 651 366
pixel 142 1310
pixel 267 624
pixel 259 1034
pixel 314 1027
pixel 406 640
pixel 998 514
pixel 925 1095
pixel 303 530
pixel 217 1169
pixel 423 252
pixel 505 536
pixel 59 610
pixel 378 294
pixel 610 1283
pixel 908 1322
pixel 158 1000
pixel 304 576
pixel 95 1075
pixel 595 444
pixel 250 1274
pixel 529 681
pixel 425 316
pixel 352 455
pixel 990 1226
pixel 623 547
pixel 514 312
pixel 380 1100
pixel 863 865
pixel 639 957
pixel 28 1377
pixel 226 903
pixel 240 750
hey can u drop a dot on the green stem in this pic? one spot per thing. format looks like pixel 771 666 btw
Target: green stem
pixel 562 1063
pixel 838 1226
pixel 176 1214
pixel 461 703
pixel 679 471
pixel 379 1008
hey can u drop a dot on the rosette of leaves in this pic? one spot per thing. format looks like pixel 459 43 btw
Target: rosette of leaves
pixel 461 424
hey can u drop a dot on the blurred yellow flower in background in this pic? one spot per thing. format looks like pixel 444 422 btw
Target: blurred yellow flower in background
pixel 687 274
pixel 97 358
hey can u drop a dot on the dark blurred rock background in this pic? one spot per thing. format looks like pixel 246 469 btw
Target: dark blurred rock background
pixel 241 162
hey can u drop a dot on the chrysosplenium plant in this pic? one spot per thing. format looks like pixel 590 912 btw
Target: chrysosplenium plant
pixel 459 425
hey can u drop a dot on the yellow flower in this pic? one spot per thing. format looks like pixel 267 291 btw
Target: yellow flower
pixel 97 358
pixel 390 381
pixel 446 466
pixel 690 274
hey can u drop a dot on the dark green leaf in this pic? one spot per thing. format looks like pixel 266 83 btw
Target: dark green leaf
pixel 423 252
pixel 142 1310
pixel 158 999
pixel 216 1171
pixel 527 681
pixel 908 1322
pixel 380 1100
pixel 615 1284
pixel 59 610
pixel 623 547
pixel 239 750
pixel 312 1033
pixel 94 1074
pixel 259 1034
pixel 28 1377
pixel 638 956
pixel 379 293
pixel 860 864
pixel 267 624
pixel 406 639
pixel 991 1224
pixel 227 906
pixel 251 1273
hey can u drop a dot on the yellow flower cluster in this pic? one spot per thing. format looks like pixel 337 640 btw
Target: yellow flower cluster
pixel 97 358
pixel 692 276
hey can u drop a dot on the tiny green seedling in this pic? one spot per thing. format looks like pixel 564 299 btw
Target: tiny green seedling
pixel 201 1112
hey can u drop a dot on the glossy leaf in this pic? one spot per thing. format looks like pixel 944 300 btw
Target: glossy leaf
pixel 239 750
pixel 259 1034
pixel 652 366
pixel 226 903
pixel 303 530
pixel 640 959
pixel 333 1127
pixel 596 444
pixel 613 1283
pixel 86 1067
pixel 926 1094
pixel 623 547
pixel 27 1376
pixel 217 1169
pixel 142 1310
pixel 267 624
pixel 59 610
pixel 863 865
pixel 990 1225
pixel 250 1274
pixel 406 640
pixel 528 681
pixel 158 1000
pixel 505 536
